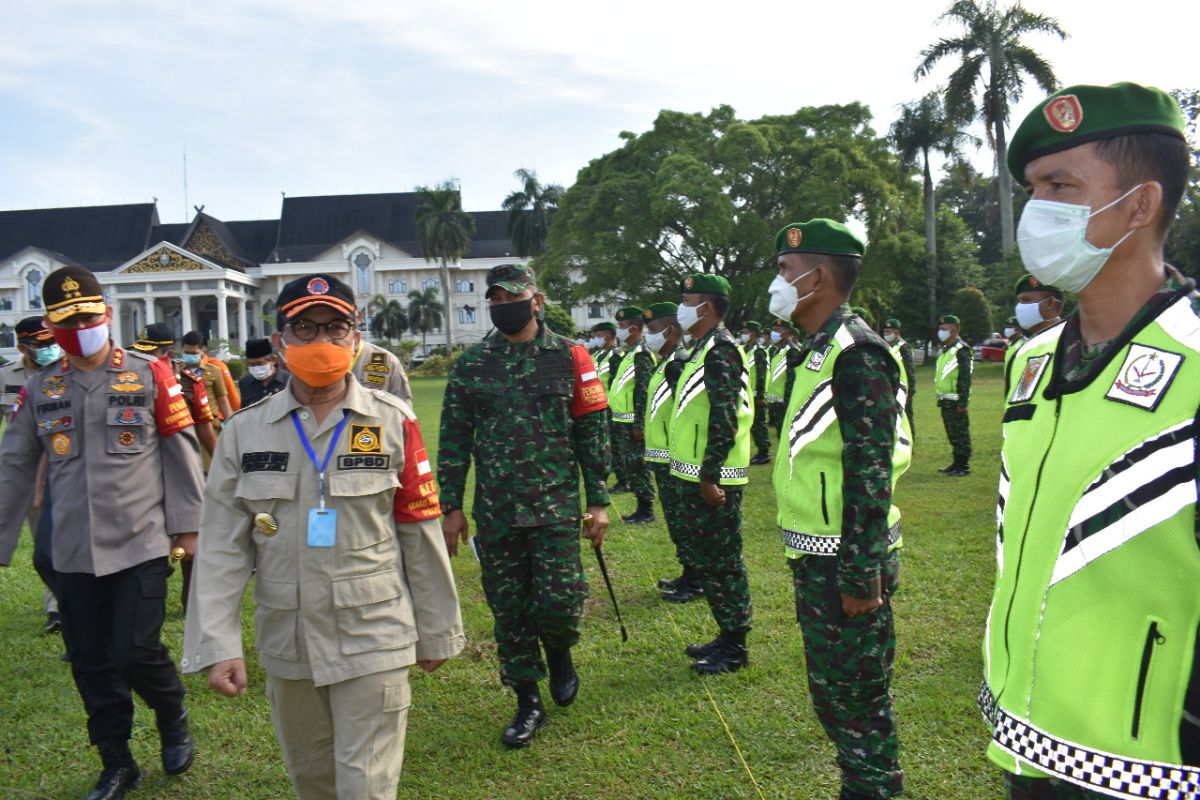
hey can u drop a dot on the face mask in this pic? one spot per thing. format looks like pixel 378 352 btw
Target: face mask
pixel 1008 332
pixel 655 341
pixel 626 334
pixel 784 298
pixel 82 342
pixel 688 316
pixel 511 318
pixel 1052 238
pixel 192 359
pixel 943 334
pixel 776 337
pixel 261 371
pixel 744 338
pixel 1029 315
pixel 688 339
pixel 890 338
pixel 47 355
pixel 319 364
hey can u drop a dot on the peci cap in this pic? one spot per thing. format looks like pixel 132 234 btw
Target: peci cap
pixel 258 348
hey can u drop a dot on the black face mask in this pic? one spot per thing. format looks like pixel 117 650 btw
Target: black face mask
pixel 511 317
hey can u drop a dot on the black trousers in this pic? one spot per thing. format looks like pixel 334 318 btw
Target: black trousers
pixel 43 561
pixel 112 627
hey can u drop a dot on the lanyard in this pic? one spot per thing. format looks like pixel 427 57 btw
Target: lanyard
pixel 337 434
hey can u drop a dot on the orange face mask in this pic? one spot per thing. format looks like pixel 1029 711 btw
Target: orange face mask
pixel 319 364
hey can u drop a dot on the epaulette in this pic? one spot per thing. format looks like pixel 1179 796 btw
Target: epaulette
pixel 862 335
pixel 392 400
pixel 243 409
pixel 138 354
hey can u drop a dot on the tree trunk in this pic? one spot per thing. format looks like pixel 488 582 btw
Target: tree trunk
pixel 930 248
pixel 1004 187
pixel 447 311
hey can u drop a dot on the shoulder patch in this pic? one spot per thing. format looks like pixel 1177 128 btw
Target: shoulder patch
pixel 141 355
pixel 1145 376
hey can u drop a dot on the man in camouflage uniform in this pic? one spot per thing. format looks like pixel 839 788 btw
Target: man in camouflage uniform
pixel 952 382
pixel 627 404
pixel 891 335
pixel 846 425
pixel 710 465
pixel 607 356
pixel 759 363
pixel 526 404
pixel 1040 305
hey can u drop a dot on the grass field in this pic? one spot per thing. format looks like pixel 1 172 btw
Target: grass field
pixel 643 726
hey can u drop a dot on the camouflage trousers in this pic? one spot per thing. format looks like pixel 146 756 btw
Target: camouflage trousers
pixel 777 411
pixel 712 540
pixel 618 466
pixel 849 663
pixel 908 411
pixel 759 431
pixel 629 452
pixel 672 513
pixel 535 586
pixel 1022 787
pixel 958 430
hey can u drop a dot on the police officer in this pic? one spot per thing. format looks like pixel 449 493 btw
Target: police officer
pixel 124 478
pixel 663 337
pixel 898 345
pixel 377 368
pixel 952 382
pixel 263 376
pixel 301 491
pixel 758 360
pixel 527 405
pixel 846 444
pixel 627 404
pixel 1092 657
pixel 710 465
pixel 607 357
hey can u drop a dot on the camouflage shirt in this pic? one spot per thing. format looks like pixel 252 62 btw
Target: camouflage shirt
pixel 795 357
pixel 910 367
pixel 762 366
pixel 643 369
pixel 509 407
pixel 722 382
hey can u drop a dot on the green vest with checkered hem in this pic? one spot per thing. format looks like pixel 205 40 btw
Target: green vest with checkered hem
pixel 660 405
pixel 946 377
pixel 620 395
pixel 689 421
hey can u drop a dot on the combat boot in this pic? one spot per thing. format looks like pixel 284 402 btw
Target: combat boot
pixel 121 773
pixel 644 513
pixel 947 470
pixel 963 470
pixel 670 583
pixel 687 589
pixel 529 719
pixel 178 746
pixel 761 458
pixel 618 488
pixel 564 680
pixel 729 656
pixel 699 651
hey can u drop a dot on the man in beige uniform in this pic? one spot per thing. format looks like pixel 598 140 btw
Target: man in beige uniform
pixel 301 488
pixel 377 368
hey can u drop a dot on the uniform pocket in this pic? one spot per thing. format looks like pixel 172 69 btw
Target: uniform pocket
pixel 554 404
pixel 397 697
pixel 373 612
pixel 276 616
pixel 152 604
pixel 376 489
pixel 126 440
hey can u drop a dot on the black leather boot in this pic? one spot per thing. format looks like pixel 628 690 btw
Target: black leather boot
pixel 761 458
pixel 121 773
pixel 687 589
pixel 702 650
pixel 564 680
pixel 670 583
pixel 729 656
pixel 644 513
pixel 954 465
pixel 618 488
pixel 178 746
pixel 529 719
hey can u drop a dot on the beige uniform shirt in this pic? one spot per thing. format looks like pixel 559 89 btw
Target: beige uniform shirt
pixel 118 487
pixel 377 368
pixel 12 377
pixel 382 597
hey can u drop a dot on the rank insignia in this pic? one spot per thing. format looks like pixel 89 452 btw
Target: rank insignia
pixel 127 416
pixel 1144 377
pixel 126 438
pixel 688 282
pixel 1064 113
pixel 365 439
pixel 265 524
pixel 60 443
pixel 1027 385
pixel 128 382
pixel 118 358
pixel 54 390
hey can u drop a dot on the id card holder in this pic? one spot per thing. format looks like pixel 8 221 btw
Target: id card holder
pixel 322 527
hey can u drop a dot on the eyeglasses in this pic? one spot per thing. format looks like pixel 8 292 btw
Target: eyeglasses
pixel 306 331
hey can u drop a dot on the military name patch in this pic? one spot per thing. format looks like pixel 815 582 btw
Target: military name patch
pixel 266 461
pixel 817 359
pixel 47 408
pixel 1144 377
pixel 137 400
pixel 1027 385
pixel 60 443
pixel 366 439
pixel 375 379
pixel 364 462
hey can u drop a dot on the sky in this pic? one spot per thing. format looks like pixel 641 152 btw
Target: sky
pixel 100 99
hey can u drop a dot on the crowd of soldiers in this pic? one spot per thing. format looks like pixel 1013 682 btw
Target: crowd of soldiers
pixel 1092 646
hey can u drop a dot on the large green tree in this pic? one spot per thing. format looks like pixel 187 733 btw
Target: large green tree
pixel 425 312
pixel 529 211
pixel 1183 246
pixel 993 62
pixel 444 231
pixel 389 320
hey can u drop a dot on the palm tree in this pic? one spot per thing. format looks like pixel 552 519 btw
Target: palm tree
pixel 425 311
pixel 993 61
pixel 924 127
pixel 445 231
pixel 529 213
pixel 389 320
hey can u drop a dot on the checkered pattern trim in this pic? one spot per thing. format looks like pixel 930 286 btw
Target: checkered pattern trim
pixel 686 470
pixel 813 545
pixel 621 416
pixel 774 398
pixel 657 455
pixel 986 703
pixel 1092 769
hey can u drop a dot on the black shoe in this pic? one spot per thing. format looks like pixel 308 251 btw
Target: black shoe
pixel 644 513
pixel 961 472
pixel 729 656
pixel 669 583
pixel 618 488
pixel 115 782
pixel 949 469
pixel 564 680
pixel 53 623
pixel 178 746
pixel 529 719
pixel 702 650
pixel 761 458
pixel 687 589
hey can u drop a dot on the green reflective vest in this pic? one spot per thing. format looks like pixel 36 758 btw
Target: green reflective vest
pixel 604 366
pixel 777 377
pixel 620 396
pixel 689 421
pixel 946 377
pixel 660 405
pixel 808 465
pixel 1091 639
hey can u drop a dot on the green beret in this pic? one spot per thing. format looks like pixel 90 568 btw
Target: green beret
pixel 657 310
pixel 1012 321
pixel 604 326
pixel 948 319
pixel 1028 283
pixel 892 323
pixel 1080 114
pixel 514 278
pixel 861 312
pixel 629 312
pixel 704 283
pixel 819 236
pixel 752 326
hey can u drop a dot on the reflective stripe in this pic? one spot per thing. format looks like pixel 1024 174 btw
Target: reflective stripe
pixel 947 397
pixel 811 420
pixel 694 387
pixel 621 416
pixel 1001 502
pixel 661 456
pixel 683 469
pixel 818 545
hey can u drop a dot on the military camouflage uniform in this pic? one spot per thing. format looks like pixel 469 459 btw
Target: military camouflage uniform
pixel 509 406
pixel 850 660
pixel 759 431
pixel 613 356
pixel 628 450
pixel 667 494
pixel 910 375
pixel 712 537
pixel 958 426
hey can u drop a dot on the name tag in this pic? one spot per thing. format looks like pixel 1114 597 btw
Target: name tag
pixel 322 527
pixel 266 461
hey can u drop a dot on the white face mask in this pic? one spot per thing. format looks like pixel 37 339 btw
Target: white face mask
pixel 1029 315
pixel 1052 238
pixel 943 334
pixel 625 334
pixel 688 339
pixel 744 338
pixel 784 298
pixel 1008 332
pixel 688 316
pixel 655 341
pixel 890 338
pixel 776 337
pixel 596 342
pixel 261 371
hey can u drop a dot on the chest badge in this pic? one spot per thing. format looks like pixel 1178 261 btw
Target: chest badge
pixel 265 524
pixel 1026 387
pixel 1144 377
pixel 54 390
pixel 126 438
pixel 817 359
pixel 128 382
pixel 366 439
pixel 127 416
pixel 60 443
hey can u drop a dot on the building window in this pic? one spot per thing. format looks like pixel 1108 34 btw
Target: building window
pixel 464 286
pixel 466 315
pixel 363 262
pixel 6 303
pixel 33 285
pixel 430 283
pixel 397 287
pixel 595 311
pixel 7 336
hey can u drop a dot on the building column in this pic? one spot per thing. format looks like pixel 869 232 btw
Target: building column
pixel 151 317
pixel 118 325
pixel 222 316
pixel 243 331
pixel 185 305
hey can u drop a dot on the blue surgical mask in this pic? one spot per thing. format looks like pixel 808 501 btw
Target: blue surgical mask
pixel 47 355
pixel 192 359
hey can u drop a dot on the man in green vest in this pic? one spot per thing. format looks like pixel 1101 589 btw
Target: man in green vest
pixel 777 372
pixel 845 444
pixel 1039 307
pixel 627 401
pixel 663 337
pixel 1092 658
pixel 758 359
pixel 891 335
pixel 710 465
pixel 952 382
pixel 608 357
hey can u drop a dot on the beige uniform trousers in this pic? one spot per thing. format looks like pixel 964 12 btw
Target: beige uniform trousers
pixel 344 740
